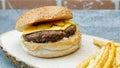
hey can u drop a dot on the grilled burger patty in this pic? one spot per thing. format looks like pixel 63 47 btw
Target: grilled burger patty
pixel 50 35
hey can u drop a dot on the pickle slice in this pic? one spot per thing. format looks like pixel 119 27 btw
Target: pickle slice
pixel 55 28
pixel 44 26
pixel 61 24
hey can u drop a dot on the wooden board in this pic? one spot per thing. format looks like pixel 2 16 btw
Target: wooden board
pixel 11 46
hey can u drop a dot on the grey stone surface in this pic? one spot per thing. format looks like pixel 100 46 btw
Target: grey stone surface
pixel 102 23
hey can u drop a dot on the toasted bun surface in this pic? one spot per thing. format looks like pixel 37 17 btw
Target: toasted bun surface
pixel 43 14
pixel 55 49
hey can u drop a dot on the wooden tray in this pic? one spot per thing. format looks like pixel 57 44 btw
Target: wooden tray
pixel 12 48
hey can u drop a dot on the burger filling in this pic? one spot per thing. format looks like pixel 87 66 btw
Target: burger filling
pixel 55 32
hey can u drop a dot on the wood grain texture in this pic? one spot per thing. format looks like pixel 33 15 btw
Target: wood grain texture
pixel 14 60
pixel 19 64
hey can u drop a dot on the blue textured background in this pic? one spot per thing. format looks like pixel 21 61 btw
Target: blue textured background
pixel 102 23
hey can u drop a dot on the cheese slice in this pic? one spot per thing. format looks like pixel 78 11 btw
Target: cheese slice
pixel 62 25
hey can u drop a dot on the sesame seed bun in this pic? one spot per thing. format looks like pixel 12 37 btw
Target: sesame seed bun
pixel 42 14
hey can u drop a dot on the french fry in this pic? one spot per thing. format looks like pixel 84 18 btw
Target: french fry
pixel 102 43
pixel 118 56
pixel 114 66
pixel 85 63
pixel 114 62
pixel 111 57
pixel 99 43
pixel 98 58
pixel 104 57
pixel 108 57
pixel 91 63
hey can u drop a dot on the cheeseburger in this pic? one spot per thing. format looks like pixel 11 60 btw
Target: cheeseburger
pixel 48 32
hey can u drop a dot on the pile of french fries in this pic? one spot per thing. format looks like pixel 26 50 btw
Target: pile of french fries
pixel 108 57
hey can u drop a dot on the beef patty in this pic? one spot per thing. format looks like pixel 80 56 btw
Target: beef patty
pixel 50 35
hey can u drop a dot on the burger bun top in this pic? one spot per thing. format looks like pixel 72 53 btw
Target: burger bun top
pixel 41 15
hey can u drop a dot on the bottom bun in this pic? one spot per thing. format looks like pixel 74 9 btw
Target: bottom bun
pixel 51 54
pixel 53 49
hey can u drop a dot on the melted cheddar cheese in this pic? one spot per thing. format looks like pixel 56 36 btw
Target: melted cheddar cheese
pixel 62 25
